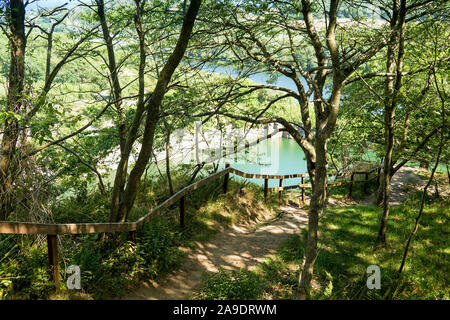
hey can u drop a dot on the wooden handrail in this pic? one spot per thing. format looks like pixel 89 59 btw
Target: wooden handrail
pixel 149 216
pixel 331 184
pixel 291 176
pixel 303 185
pixel 66 228
pixel 266 176
pixel 52 230
pixel 77 228
pixel 16 227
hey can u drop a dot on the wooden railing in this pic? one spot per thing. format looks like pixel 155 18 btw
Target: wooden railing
pixel 53 230
pixel 304 185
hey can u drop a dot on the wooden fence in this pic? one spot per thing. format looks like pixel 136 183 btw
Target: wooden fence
pixel 338 181
pixel 53 230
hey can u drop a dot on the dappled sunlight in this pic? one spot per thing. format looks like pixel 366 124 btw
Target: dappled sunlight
pixel 240 247
pixel 238 229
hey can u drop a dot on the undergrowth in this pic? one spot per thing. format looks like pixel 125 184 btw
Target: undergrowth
pixel 346 248
pixel 112 266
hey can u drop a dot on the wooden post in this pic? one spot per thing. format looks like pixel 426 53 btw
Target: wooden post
pixel 281 191
pixel 350 191
pixel 52 249
pixel 132 236
pixel 266 189
pixel 378 175
pixel 226 178
pixel 303 191
pixel 182 210
pixel 367 182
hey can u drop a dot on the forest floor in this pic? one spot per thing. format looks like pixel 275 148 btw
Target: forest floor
pixel 247 246
pixel 238 247
pixel 403 183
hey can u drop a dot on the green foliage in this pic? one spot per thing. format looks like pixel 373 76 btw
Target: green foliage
pixel 347 258
pixel 242 285
pixel 26 274
pixel 10 116
pixel 346 248
pixel 112 266
pixel 358 191
pixel 109 266
pixel 82 88
pixel 82 205
pixel 360 125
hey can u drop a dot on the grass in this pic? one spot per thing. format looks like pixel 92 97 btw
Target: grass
pixel 240 284
pixel 342 192
pixel 441 178
pixel 358 191
pixel 112 267
pixel 346 249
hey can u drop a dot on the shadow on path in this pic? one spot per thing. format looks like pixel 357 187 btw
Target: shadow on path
pixel 235 248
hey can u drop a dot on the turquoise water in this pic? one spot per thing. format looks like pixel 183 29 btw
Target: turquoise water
pixel 278 156
pixel 263 78
pixel 271 156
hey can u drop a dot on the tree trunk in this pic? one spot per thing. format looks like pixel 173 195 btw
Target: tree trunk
pixel 169 176
pixel 126 197
pixel 121 170
pixel 11 130
pixel 112 67
pixel 404 140
pixel 448 174
pixel 380 192
pixel 392 87
pixel 419 215
pixel 317 205
pixel 422 201
pixel 384 217
pixel 407 123
pixel 127 146
pixel 386 177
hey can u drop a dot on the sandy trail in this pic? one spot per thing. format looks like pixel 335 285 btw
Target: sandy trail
pixel 247 246
pixel 404 182
pixel 235 248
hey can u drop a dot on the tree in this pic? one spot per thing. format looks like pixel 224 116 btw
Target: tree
pixel 399 15
pixel 23 101
pixel 15 102
pixel 443 96
pixel 270 37
pixel 124 195
pixel 397 98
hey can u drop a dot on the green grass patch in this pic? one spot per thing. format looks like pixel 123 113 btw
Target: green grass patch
pixel 359 190
pixel 241 284
pixel 113 266
pixel 347 247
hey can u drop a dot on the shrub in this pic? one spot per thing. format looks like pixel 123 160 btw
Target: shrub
pixel 232 285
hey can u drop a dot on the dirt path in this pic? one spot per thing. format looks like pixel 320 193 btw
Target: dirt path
pixel 403 184
pixel 246 247
pixel 237 247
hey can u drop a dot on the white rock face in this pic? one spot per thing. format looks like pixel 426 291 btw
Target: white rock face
pixel 201 146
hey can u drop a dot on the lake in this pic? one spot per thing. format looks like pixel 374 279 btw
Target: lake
pixel 271 156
